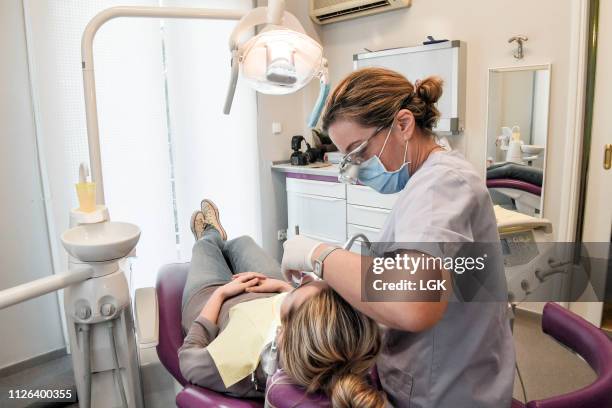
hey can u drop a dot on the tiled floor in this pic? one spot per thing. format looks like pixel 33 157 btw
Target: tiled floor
pixel 548 368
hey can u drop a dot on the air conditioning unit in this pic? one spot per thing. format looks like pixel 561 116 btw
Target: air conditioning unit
pixel 331 11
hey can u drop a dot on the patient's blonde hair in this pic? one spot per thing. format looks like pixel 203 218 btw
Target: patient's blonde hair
pixel 328 345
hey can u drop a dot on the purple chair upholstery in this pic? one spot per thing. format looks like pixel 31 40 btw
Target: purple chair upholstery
pixel 515 184
pixel 193 396
pixel 282 392
pixel 591 344
pixel 169 287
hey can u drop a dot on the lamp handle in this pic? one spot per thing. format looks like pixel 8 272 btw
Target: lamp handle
pixel 233 82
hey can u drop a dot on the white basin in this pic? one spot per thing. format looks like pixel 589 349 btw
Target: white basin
pixel 532 149
pixel 101 242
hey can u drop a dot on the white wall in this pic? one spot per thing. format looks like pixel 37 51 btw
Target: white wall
pixel 33 327
pixel 541 94
pixel 485 25
pixel 291 111
pixel 517 102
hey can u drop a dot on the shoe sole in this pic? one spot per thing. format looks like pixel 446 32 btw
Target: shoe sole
pixel 192 224
pixel 216 210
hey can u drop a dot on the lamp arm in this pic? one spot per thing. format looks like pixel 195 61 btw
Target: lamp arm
pixel 231 90
pixel 276 9
pixel 89 83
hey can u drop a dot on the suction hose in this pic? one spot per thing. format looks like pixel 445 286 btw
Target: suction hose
pixel 117 369
pixel 84 340
pixel 324 88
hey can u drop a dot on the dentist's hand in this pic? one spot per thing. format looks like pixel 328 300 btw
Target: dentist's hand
pixel 297 256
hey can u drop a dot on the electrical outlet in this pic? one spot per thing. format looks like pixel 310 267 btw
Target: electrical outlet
pixel 282 235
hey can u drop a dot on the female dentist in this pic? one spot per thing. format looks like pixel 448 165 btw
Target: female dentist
pixel 435 353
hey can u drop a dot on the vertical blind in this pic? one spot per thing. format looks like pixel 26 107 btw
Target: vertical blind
pixel 164 141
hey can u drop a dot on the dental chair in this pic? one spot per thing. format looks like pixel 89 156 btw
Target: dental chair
pixel 520 184
pixel 590 343
pixel 564 326
pixel 169 288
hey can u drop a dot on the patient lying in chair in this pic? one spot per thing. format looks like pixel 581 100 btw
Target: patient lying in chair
pixel 238 310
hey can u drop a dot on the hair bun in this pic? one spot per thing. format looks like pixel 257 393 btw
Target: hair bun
pixel 429 89
pixel 352 391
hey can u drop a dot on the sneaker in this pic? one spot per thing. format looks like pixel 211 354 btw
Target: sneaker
pixel 211 216
pixel 198 224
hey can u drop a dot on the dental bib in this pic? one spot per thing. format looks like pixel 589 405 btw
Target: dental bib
pixel 251 326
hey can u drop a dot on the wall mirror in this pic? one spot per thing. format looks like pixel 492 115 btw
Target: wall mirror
pixel 517 133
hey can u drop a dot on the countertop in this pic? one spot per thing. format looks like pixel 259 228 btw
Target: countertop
pixel 286 167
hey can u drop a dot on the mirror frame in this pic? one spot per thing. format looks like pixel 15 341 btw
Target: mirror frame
pixel 511 68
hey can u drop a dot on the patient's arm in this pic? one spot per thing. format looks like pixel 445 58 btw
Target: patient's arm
pixel 238 285
pixel 270 285
pixel 211 309
pixel 196 364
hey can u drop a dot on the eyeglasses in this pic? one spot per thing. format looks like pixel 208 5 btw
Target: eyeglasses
pixel 349 164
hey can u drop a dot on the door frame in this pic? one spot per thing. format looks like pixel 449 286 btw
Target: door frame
pixel 578 151
pixel 577 97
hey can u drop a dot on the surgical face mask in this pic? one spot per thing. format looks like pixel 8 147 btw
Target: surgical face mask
pixel 372 172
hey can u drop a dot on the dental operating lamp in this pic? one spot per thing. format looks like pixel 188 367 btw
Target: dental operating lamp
pixel 281 59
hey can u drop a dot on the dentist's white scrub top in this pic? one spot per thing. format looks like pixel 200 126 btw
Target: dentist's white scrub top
pixel 467 359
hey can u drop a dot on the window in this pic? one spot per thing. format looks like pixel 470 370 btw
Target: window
pixel 165 142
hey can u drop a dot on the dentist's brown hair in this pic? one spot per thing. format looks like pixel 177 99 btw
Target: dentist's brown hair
pixel 371 97
pixel 328 345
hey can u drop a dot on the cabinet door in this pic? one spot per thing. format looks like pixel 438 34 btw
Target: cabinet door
pixel 318 217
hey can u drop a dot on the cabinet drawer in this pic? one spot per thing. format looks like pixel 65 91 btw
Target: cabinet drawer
pixel 318 217
pixel 371 233
pixel 362 195
pixel 315 187
pixel 368 216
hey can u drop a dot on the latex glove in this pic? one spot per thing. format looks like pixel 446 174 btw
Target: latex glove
pixel 297 256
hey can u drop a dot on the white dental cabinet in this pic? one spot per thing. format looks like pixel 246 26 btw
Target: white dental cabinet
pixel 320 207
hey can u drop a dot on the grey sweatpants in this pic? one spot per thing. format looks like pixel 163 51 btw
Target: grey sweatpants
pixel 214 261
